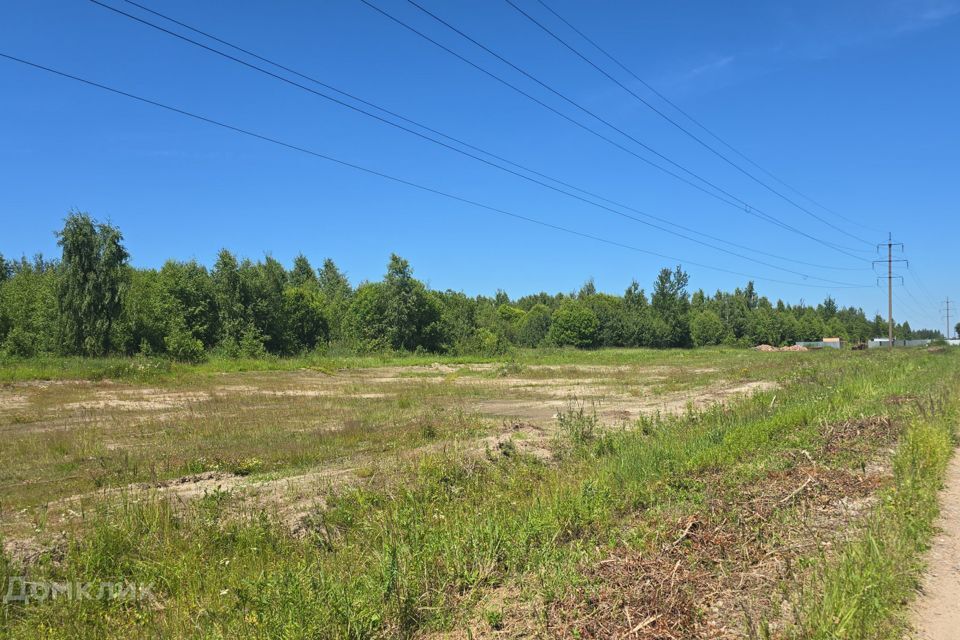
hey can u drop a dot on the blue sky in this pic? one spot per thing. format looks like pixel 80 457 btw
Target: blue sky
pixel 854 103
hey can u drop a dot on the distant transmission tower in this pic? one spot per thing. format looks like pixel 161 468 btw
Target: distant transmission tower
pixel 889 244
pixel 946 309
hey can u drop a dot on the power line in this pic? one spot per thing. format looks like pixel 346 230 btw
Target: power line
pixel 916 278
pixel 679 126
pixel 394 114
pixel 386 176
pixel 588 111
pixel 450 147
pixel 906 305
pixel 437 132
pixel 676 107
pixel 730 199
pixel 918 307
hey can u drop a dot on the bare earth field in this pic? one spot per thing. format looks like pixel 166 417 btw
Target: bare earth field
pixel 630 494
pixel 70 440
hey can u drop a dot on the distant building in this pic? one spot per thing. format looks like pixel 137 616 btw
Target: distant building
pixel 826 343
pixel 885 342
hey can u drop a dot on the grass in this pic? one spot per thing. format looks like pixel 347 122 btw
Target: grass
pixel 145 369
pixel 66 439
pixel 861 594
pixel 512 542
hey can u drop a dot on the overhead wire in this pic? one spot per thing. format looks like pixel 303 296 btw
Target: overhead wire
pixel 902 303
pixel 722 195
pixel 392 178
pixel 593 114
pixel 674 122
pixel 923 287
pixel 450 147
pixel 352 96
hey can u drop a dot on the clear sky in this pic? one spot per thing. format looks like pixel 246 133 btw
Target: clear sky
pixel 855 103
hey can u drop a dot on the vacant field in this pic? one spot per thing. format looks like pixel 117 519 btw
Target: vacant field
pixel 619 493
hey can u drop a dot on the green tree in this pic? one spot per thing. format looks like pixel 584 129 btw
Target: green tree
pixel 458 317
pixel 671 306
pixel 902 331
pixel 228 294
pixel 191 295
pixel 305 322
pixel 509 321
pixel 574 324
pixel 28 308
pixel 336 292
pixel 638 316
pixel 180 343
pixel 412 318
pixel 535 327
pixel 706 328
pixel 588 289
pixel 262 286
pixel 828 309
pixel 365 321
pixel 145 318
pixel 93 278
pixel 302 274
pixel 765 327
pixel 6 269
pixel 812 327
pixel 612 316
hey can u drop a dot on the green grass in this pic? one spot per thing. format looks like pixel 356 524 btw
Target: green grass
pixel 139 369
pixel 423 552
pixel 862 593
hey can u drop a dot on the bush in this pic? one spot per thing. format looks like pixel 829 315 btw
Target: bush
pixel 20 343
pixel 574 324
pixel 306 325
pixel 706 328
pixel 182 346
pixel 535 326
pixel 253 343
pixel 491 343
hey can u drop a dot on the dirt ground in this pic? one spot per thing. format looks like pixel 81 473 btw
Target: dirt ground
pixel 936 613
pixel 71 442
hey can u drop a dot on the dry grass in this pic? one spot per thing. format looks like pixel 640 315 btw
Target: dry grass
pixel 642 495
pixel 272 433
pixel 723 568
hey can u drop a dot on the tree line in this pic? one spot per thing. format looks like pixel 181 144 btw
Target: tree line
pixel 92 302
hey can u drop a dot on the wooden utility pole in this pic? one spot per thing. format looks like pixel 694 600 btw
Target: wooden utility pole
pixel 890 244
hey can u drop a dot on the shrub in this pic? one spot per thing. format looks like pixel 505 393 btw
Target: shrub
pixel 578 424
pixel 252 343
pixel 182 346
pixel 535 326
pixel 706 328
pixel 492 343
pixel 574 324
pixel 21 343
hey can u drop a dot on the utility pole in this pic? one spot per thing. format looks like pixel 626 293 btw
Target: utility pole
pixel 947 309
pixel 890 244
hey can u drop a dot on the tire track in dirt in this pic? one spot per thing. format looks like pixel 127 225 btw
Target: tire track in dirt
pixel 936 613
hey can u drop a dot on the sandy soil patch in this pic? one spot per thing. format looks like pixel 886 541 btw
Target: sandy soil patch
pixel 936 614
pixel 619 406
pixel 10 401
pixel 139 400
